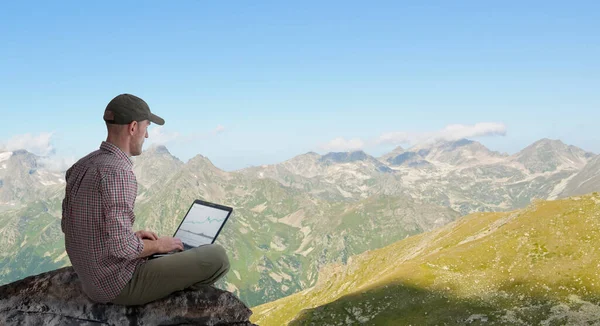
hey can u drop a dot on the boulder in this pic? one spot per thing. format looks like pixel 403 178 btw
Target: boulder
pixel 56 298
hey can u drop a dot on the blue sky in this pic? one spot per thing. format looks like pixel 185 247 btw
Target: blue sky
pixel 247 83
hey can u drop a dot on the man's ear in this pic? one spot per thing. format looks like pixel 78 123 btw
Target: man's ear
pixel 133 126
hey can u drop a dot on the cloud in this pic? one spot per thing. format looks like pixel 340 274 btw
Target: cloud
pixel 342 145
pixel 56 163
pixel 219 129
pixel 159 136
pixel 448 133
pixel 456 131
pixel 39 145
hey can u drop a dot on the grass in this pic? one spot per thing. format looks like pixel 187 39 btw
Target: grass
pixel 486 263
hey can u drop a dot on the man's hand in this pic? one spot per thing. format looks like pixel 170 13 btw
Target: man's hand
pixel 155 245
pixel 146 235
pixel 168 244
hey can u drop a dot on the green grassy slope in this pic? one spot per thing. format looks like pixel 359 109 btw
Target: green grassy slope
pixel 535 265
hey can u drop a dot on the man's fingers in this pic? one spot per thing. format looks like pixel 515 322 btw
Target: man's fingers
pixel 149 235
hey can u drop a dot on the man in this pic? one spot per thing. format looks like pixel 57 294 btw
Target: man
pixel 97 218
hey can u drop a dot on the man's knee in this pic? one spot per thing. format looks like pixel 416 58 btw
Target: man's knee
pixel 216 255
pixel 221 256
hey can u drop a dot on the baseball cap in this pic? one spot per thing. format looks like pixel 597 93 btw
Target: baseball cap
pixel 125 108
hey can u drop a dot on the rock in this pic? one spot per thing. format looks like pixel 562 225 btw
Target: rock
pixel 56 298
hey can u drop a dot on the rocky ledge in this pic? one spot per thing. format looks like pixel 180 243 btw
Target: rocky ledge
pixel 56 298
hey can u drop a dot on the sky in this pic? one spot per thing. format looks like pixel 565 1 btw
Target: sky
pixel 251 83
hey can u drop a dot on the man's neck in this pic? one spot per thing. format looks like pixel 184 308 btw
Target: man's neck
pixel 123 146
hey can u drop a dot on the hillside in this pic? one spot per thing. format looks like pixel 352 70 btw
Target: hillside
pixel 524 267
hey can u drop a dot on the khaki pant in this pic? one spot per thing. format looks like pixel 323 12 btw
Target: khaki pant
pixel 157 278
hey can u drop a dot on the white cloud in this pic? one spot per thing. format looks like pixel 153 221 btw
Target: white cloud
pixel 56 163
pixel 159 136
pixel 449 133
pixel 39 145
pixel 342 145
pixel 219 129
pixel 456 131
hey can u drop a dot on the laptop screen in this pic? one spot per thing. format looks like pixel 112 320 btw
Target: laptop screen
pixel 202 224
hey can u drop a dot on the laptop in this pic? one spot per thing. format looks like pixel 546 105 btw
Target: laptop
pixel 200 226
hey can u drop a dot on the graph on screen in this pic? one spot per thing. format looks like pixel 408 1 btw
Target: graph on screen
pixel 201 225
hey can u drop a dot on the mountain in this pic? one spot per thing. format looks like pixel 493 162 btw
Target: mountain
pixel 338 176
pixel 290 219
pixel 280 236
pixel 463 175
pixel 459 152
pixel 534 266
pixel 548 155
pixel 586 181
pixel 410 159
pixel 154 166
pixel 468 177
pixel 395 152
pixel 31 239
pixel 24 179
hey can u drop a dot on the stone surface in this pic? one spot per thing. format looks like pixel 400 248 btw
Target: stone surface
pixel 56 298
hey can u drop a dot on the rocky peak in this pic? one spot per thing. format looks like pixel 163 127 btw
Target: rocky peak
pixel 364 160
pixel 549 155
pixel 586 181
pixel 156 164
pixel 452 152
pixel 55 298
pixel 24 159
pixel 409 159
pixel 309 156
pixel 158 149
pixel 457 145
pixel 201 161
pixel 344 157
pixel 397 151
pixel 546 145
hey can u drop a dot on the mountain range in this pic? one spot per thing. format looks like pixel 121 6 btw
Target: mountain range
pixel 533 266
pixel 293 218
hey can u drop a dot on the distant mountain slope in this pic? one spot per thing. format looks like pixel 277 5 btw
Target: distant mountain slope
pixel 23 178
pixel 339 176
pixel 548 155
pixel 534 266
pixel 395 152
pixel 462 174
pixel 280 236
pixel 586 181
pixel 459 152
pixel 155 166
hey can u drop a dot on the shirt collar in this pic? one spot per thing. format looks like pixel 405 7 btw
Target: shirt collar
pixel 116 150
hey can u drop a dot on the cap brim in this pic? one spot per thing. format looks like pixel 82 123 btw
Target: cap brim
pixel 156 119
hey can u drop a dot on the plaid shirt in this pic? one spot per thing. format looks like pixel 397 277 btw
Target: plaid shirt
pixel 97 219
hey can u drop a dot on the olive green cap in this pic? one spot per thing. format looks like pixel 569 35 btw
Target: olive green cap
pixel 126 108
